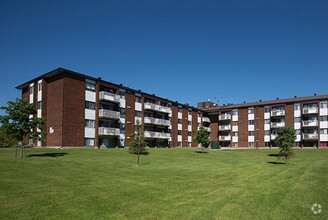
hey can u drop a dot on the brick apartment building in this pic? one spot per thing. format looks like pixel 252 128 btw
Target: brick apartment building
pixel 255 124
pixel 81 110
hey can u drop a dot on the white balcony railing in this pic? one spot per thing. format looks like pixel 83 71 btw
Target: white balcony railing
pixel 310 123
pixel 224 138
pixel 108 131
pixel 224 127
pixel 155 107
pixel 153 134
pixel 224 117
pixel 206 119
pixel 312 110
pixel 107 96
pixel 103 113
pixel 157 121
pixel 310 136
pixel 277 124
pixel 278 113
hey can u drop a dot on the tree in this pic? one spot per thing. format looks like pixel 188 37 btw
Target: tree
pixel 6 140
pixel 18 121
pixel 202 137
pixel 285 141
pixel 138 145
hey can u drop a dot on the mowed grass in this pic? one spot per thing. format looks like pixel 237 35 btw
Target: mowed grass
pixel 170 184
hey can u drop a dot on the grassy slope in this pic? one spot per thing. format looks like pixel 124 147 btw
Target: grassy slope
pixel 171 183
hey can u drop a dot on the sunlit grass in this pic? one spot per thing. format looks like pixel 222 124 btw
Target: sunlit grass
pixel 170 184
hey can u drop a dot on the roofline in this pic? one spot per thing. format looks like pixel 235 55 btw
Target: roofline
pixel 61 70
pixel 264 103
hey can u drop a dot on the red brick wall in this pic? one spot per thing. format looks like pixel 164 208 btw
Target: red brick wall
pixel 289 115
pixel 184 127
pixel 129 117
pixel 194 128
pixel 243 127
pixel 259 127
pixel 73 111
pixel 174 123
pixel 214 127
pixel 54 109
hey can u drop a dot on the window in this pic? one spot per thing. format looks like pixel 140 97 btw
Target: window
pixel 267 133
pixel 189 122
pixel 39 105
pixel 251 110
pixel 324 131
pixel 323 118
pixel 250 144
pixel 138 114
pixel 89 123
pixel 179 132
pixel 235 134
pixel 31 90
pixel 234 111
pixel 138 99
pixel 297 120
pixel 267 121
pixel 179 143
pixel 324 104
pixel 189 144
pixel 267 144
pixel 266 109
pixel 179 121
pixel 89 86
pixel 298 132
pixel 189 133
pixel 251 122
pixel 39 86
pixel 90 105
pixel 251 133
pixel 90 142
pixel 122 112
pixel 297 107
pixel 180 108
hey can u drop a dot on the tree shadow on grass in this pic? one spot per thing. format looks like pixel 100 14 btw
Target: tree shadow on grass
pixel 48 155
pixel 272 155
pixel 276 162
pixel 143 164
pixel 200 152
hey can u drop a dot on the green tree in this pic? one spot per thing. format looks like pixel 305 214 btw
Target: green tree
pixel 138 145
pixel 285 141
pixel 202 138
pixel 18 123
pixel 6 140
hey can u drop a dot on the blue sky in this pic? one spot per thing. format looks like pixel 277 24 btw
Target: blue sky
pixel 187 51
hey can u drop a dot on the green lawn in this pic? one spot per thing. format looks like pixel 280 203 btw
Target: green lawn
pixel 170 184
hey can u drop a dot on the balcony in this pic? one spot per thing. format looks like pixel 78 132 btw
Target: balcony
pixel 107 96
pixel 309 136
pixel 103 113
pixel 310 123
pixel 312 110
pixel 224 138
pixel 206 119
pixel 277 113
pixel 153 134
pixel 224 117
pixel 224 127
pixel 157 121
pixel 105 131
pixel 158 108
pixel 277 124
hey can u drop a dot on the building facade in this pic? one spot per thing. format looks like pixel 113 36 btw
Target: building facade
pixel 80 110
pixel 255 124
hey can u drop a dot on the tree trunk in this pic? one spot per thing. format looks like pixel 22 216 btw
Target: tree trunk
pixel 21 152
